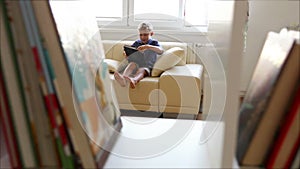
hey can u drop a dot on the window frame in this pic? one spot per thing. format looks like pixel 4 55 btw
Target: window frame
pixel 116 21
pixel 128 20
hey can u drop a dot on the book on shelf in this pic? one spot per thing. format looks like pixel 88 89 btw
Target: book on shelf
pixel 39 121
pixel 16 98
pixel 288 140
pixel 47 80
pixel 59 107
pixel 7 128
pixel 267 98
pixel 5 161
pixel 296 161
pixel 83 84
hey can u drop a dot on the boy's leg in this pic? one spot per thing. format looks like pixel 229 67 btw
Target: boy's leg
pixel 131 67
pixel 128 71
pixel 140 74
pixel 120 79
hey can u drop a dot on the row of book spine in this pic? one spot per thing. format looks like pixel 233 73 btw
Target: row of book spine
pixel 269 132
pixel 38 117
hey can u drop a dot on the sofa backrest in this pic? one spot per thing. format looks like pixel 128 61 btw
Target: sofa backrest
pixel 114 49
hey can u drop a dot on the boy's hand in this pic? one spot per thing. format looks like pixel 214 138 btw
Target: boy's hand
pixel 143 47
pixel 156 49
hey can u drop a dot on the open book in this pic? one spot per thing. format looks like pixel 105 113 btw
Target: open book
pixel 129 50
pixel 133 54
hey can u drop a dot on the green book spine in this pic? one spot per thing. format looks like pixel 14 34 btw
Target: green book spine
pixel 33 151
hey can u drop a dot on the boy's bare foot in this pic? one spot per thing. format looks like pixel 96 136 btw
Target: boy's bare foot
pixel 120 79
pixel 131 81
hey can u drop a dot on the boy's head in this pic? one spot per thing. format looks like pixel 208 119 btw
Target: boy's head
pixel 145 31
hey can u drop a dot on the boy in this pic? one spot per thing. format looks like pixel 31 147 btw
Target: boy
pixel 136 70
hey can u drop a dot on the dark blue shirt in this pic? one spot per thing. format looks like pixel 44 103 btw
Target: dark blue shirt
pixel 149 57
pixel 138 43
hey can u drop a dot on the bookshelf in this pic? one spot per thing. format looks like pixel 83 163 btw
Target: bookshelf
pixel 233 83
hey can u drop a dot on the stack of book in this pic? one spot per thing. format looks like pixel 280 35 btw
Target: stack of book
pixel 269 132
pixel 58 108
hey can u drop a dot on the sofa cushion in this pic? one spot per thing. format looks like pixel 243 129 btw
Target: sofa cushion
pixel 167 60
pixel 143 97
pixel 168 45
pixel 180 89
pixel 112 64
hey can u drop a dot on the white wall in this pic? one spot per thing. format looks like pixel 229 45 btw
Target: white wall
pixel 265 16
pixel 219 30
pixel 215 57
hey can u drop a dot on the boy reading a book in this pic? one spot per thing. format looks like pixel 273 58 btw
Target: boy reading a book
pixel 141 65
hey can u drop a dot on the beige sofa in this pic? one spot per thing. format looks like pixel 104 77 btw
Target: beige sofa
pixel 174 87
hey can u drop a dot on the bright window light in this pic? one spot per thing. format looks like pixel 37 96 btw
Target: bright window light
pixel 162 13
pixel 168 9
pixel 108 8
pixel 196 12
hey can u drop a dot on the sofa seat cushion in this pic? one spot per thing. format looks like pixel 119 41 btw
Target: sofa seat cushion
pixel 145 94
pixel 180 87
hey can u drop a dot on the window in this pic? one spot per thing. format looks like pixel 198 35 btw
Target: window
pixel 162 13
pixel 110 11
pixel 196 13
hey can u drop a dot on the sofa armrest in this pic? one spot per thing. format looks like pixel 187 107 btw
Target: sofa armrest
pixel 112 64
pixel 180 89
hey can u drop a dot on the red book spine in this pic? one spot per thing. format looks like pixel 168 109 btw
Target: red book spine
pixel 293 154
pixel 7 126
pixel 292 116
